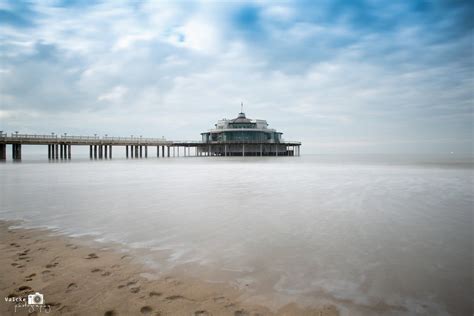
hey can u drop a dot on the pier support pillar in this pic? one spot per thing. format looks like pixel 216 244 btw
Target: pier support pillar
pixel 105 152
pixel 3 151
pixel 95 151
pixel 16 151
pixel 90 151
pixel 49 151
pixel 162 151
pixel 126 151
pixel 110 151
pixel 61 151
pixel 136 151
pixel 157 151
pixel 168 151
pixel 174 151
pixel 141 151
pixel 146 151
pixel 52 151
pixel 69 151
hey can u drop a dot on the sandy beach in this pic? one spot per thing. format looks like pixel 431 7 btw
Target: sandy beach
pixel 79 278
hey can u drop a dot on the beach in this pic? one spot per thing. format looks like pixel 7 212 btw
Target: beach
pixel 79 277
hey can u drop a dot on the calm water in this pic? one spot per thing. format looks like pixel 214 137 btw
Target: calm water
pixel 373 236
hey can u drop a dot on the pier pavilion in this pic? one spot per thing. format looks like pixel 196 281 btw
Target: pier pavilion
pixel 242 136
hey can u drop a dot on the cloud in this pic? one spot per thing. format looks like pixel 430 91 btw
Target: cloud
pixel 324 72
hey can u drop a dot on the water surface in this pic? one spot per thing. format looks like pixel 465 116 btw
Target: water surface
pixel 373 235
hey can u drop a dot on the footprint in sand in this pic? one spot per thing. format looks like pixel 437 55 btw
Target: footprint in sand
pixel 52 265
pixel 46 275
pixel 71 287
pixel 24 290
pixel 201 313
pixel 96 270
pixel 30 277
pixel 152 294
pixel 129 285
pixel 92 256
pixel 110 313
pixel 172 281
pixel 105 273
pixel 146 310
pixel 135 289
pixel 71 246
pixel 176 297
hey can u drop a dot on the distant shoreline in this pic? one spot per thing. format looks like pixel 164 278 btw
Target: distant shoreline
pixel 90 279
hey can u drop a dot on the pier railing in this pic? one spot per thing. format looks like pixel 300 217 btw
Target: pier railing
pixel 79 140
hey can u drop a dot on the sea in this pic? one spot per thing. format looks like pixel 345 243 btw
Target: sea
pixel 371 234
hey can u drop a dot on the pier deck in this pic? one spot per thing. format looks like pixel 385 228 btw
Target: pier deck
pixel 59 146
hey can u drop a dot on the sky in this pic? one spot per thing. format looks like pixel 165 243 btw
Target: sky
pixel 339 76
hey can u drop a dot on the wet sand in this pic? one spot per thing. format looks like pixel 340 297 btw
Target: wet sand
pixel 83 278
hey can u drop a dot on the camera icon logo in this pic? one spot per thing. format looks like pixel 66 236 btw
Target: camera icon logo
pixel 35 299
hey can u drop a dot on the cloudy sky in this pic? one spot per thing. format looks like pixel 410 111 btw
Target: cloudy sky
pixel 341 76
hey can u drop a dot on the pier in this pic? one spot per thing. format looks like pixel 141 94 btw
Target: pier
pixel 60 147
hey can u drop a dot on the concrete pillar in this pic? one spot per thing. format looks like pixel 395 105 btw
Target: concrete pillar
pixel 61 148
pixel 243 150
pixel 56 151
pixel 90 151
pixel 136 151
pixel 146 151
pixel 157 151
pixel 52 151
pixel 105 152
pixel 177 150
pixel 95 151
pixel 69 151
pixel 16 151
pixel 168 151
pixel 100 151
pixel 126 150
pixel 49 152
pixel 174 150
pixel 110 151
pixel 3 151
pixel 13 151
pixel 163 151
pixel 141 151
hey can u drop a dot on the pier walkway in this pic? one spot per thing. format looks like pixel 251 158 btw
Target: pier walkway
pixel 60 146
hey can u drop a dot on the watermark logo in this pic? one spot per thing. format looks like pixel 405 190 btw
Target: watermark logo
pixel 36 299
pixel 33 303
